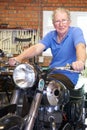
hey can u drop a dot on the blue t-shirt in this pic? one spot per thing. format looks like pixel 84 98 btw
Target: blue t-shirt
pixel 65 51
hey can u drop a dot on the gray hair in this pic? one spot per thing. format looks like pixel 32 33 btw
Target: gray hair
pixel 61 9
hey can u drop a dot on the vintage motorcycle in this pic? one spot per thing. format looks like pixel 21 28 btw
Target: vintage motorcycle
pixel 48 101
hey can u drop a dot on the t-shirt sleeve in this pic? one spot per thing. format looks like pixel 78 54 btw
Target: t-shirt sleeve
pixel 46 40
pixel 78 36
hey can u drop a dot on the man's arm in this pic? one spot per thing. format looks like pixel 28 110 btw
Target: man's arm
pixel 28 53
pixel 81 57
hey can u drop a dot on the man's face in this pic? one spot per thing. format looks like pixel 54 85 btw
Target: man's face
pixel 61 22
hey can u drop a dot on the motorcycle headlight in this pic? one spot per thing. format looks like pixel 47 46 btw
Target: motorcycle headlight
pixel 24 76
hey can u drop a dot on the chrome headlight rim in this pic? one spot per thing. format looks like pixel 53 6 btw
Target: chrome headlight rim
pixel 24 76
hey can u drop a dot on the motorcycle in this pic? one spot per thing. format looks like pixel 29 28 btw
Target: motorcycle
pixel 48 101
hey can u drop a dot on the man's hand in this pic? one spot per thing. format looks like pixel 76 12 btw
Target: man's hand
pixel 78 65
pixel 13 61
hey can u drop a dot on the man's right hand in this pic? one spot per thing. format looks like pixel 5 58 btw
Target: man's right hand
pixel 12 61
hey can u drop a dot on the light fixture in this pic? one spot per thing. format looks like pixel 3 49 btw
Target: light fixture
pixel 24 76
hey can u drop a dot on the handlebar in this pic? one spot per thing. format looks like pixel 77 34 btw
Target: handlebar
pixel 67 68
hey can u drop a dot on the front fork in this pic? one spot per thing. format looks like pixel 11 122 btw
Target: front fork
pixel 29 123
